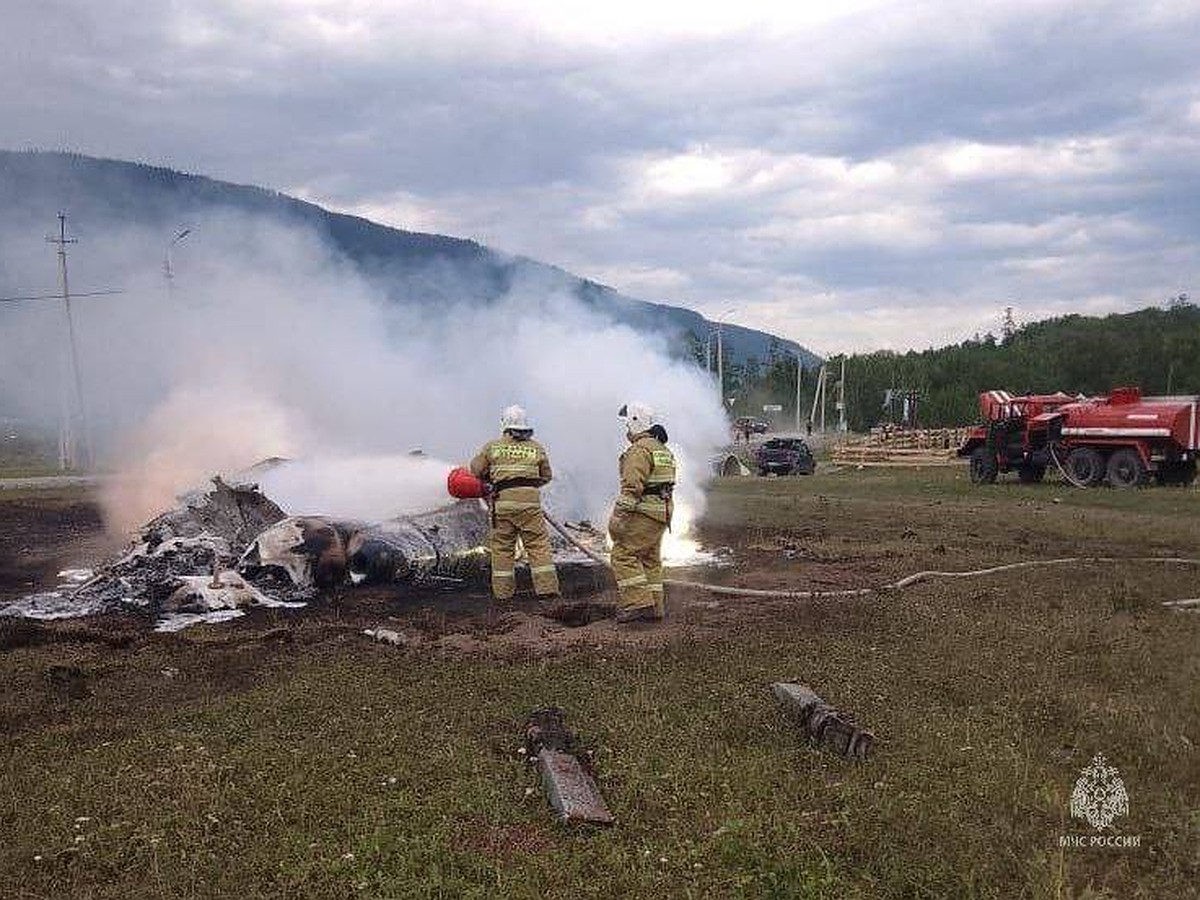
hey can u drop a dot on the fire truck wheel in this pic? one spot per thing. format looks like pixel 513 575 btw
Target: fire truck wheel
pixel 1126 469
pixel 1031 474
pixel 1086 466
pixel 983 466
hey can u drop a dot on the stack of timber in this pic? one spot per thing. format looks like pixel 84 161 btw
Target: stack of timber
pixel 901 448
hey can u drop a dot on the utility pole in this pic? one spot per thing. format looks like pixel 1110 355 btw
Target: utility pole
pixel 819 399
pixel 799 373
pixel 66 456
pixel 720 366
pixel 841 402
pixel 721 355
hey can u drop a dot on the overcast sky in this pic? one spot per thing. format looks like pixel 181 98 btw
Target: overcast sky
pixel 886 175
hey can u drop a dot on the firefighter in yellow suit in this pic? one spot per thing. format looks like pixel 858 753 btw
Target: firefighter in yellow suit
pixel 516 466
pixel 640 516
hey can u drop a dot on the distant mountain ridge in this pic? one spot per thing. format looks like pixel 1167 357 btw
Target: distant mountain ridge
pixel 425 268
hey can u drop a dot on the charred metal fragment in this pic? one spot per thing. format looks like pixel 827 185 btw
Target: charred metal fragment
pixel 235 513
pixel 445 545
pixel 207 527
pixel 546 729
pixel 824 724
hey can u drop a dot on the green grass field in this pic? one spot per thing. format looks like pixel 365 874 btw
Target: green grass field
pixel 281 757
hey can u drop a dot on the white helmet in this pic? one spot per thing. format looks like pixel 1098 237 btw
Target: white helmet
pixel 513 418
pixel 638 417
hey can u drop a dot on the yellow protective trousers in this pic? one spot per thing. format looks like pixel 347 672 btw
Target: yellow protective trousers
pixel 637 559
pixel 530 526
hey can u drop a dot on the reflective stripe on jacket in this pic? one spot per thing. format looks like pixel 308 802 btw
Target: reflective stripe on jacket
pixel 506 459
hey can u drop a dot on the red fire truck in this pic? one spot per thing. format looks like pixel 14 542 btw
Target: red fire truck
pixel 1122 438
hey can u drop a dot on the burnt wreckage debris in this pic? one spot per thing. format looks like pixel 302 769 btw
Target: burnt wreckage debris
pixel 229 546
pixel 825 726
pixel 201 536
pixel 443 548
pixel 443 545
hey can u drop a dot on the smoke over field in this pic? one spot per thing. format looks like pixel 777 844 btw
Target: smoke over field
pixel 269 344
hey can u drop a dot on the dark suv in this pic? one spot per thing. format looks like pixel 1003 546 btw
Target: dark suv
pixel 785 456
pixel 751 424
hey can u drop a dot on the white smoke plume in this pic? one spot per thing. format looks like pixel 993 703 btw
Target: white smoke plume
pixel 269 344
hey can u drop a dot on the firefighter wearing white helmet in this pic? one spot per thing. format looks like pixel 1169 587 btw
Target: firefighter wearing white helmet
pixel 516 466
pixel 641 514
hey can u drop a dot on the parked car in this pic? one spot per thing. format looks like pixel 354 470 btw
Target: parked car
pixel 785 456
pixel 756 426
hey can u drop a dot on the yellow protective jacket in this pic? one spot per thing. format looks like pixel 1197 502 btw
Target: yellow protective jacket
pixel 647 478
pixel 523 464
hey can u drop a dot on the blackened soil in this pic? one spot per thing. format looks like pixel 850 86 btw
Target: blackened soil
pixel 42 534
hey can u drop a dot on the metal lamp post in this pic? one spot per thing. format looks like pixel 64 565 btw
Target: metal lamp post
pixel 721 352
pixel 168 272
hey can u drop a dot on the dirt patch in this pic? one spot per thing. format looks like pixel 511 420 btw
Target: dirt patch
pixel 576 614
pixel 505 842
pixel 43 534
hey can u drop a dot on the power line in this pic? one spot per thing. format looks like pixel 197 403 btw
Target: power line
pixel 59 296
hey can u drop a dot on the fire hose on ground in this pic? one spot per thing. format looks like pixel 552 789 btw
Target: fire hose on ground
pixel 1062 470
pixel 462 484
pixel 907 581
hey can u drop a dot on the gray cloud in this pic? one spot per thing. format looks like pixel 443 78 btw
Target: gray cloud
pixel 925 164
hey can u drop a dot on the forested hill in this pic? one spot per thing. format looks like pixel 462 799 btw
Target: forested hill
pixel 1155 349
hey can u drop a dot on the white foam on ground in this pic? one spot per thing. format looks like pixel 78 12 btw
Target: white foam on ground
pixel 75 576
pixel 680 550
pixel 230 591
pixel 179 621
pixel 51 605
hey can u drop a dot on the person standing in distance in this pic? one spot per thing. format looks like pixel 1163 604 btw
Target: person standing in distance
pixel 516 466
pixel 640 515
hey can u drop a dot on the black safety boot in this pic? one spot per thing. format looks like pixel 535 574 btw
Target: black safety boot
pixel 638 614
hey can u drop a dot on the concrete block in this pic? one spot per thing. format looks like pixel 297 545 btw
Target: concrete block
pixel 571 791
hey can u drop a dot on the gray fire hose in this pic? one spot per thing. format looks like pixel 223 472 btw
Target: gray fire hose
pixel 1062 470
pixel 907 581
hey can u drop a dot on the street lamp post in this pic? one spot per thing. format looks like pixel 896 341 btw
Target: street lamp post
pixel 168 272
pixel 721 351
